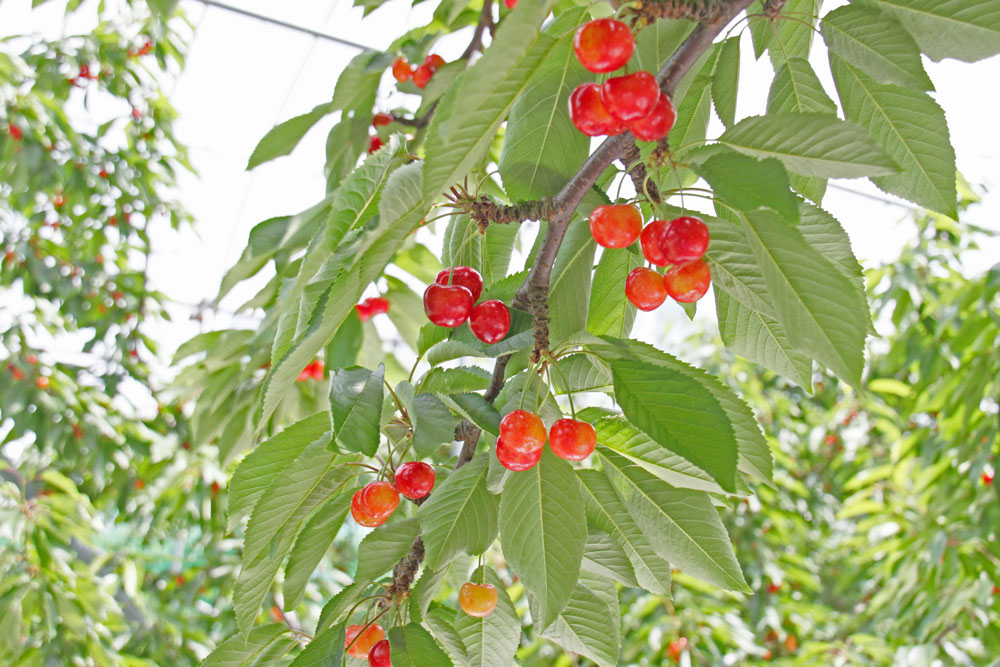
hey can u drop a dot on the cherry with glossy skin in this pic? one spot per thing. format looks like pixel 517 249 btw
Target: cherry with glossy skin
pixel 364 311
pixel 603 45
pixel 381 119
pixel 415 479
pixel 378 305
pixel 435 62
pixel 516 461
pixel 374 143
pixel 361 514
pixel 588 114
pixel 572 440
pixel 366 639
pixel 478 599
pixel 422 75
pixel 447 305
pixel 523 432
pixel 15 132
pixel 615 226
pixel 645 289
pixel 688 283
pixel 401 70
pixel 676 648
pixel 42 382
pixel 490 321
pixel 380 655
pixel 465 276
pixel 684 240
pixel 658 123
pixel 380 499
pixel 510 4
pixel 650 242
pixel 630 97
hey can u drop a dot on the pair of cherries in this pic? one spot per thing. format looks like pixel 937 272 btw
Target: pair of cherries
pixel 404 71
pixel 312 371
pixel 522 437
pixel 368 642
pixel 371 307
pixel 630 102
pixel 449 302
pixel 373 504
pixel 375 142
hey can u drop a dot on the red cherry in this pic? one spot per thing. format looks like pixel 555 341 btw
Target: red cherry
pixel 588 114
pixel 84 71
pixel 478 599
pixel 988 478
pixel 317 369
pixel 572 440
pixel 422 75
pixel 650 240
pixel 380 119
pixel 375 143
pixel 15 132
pixel 380 655
pixel 523 432
pixel 367 637
pixel 645 289
pixel 630 97
pixel 516 461
pixel 58 201
pixel 447 305
pixel 380 498
pixel 136 113
pixel 465 276
pixel 31 359
pixel 415 479
pixel 42 382
pixel 364 310
pixel 615 226
pixel 434 61
pixel 684 240
pixel 603 45
pixel 658 123
pixel 510 4
pixel 689 283
pixel 676 648
pixel 402 70
pixel 490 321
pixel 377 305
pixel 773 587
pixel 362 515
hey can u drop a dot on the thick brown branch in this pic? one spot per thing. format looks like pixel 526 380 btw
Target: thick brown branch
pixel 484 211
pixel 703 11
pixel 485 22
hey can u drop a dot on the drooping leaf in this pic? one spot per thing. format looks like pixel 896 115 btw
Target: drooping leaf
pixel 356 396
pixel 433 424
pixel 725 84
pixel 283 138
pixel 569 287
pixel 310 547
pixel 439 620
pixel 746 183
pixel 412 646
pixel 610 312
pixel 461 515
pixel 453 380
pixel 793 30
pixel 358 83
pixel 490 641
pixel 326 648
pixel 967 30
pixel 590 625
pixel 384 547
pixel 604 556
pixel 243 651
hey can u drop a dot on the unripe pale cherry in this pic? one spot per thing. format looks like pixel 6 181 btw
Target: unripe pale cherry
pixel 516 461
pixel 490 321
pixel 658 123
pixel 523 431
pixel 380 655
pixel 615 226
pixel 466 276
pixel 447 305
pixel 588 114
pixel 478 599
pixel 630 97
pixel 572 440
pixel 688 283
pixel 415 479
pixel 645 289
pixel 603 45
pixel 380 498
pixel 650 242
pixel 366 639
pixel 401 70
pixel 684 240
pixel 362 516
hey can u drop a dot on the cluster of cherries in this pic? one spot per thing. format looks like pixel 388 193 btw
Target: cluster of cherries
pixel 404 71
pixel 450 301
pixel 373 504
pixel 522 437
pixel 371 307
pixel 679 243
pixel 375 142
pixel 630 102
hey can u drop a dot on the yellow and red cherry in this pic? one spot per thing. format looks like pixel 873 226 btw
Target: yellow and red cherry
pixel 374 143
pixel 380 655
pixel 401 70
pixel 630 97
pixel 645 289
pixel 650 240
pixel 490 321
pixel 684 240
pixel 367 637
pixel 415 479
pixel 603 45
pixel 572 440
pixel 588 114
pixel 523 431
pixel 380 499
pixel 381 119
pixel 514 460
pixel 362 515
pixel 658 123
pixel 478 599
pixel 615 226
pixel 422 75
pixel 447 305
pixel 466 276
pixel 688 283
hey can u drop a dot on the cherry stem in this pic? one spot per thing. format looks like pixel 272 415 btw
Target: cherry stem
pixel 361 465
pixel 569 391
pixel 399 403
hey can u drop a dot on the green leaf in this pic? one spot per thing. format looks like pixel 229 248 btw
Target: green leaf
pixel 734 267
pixel 875 43
pixel 603 555
pixel 439 621
pixel 746 184
pixel 384 547
pixel 581 372
pixel 347 140
pixel 356 396
pixel 326 649
pixel 590 625
pixel 683 525
pixel 693 110
pixel 811 144
pixel 911 127
pixel 489 253
pixel 655 43
pixel 240 651
pixel 358 83
pixel 490 641
pixel 793 30
pixel 725 83
pixel 282 139
pixel 461 515
pixel 543 531
pixel 264 241
pixel 453 380
pixel 433 424
pixel 824 233
pixel 476 409
pixel 610 312
pixel 412 646
pixel 310 547
pixel 569 288
pixel 967 30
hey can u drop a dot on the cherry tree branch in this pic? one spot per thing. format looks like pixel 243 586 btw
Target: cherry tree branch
pixel 485 22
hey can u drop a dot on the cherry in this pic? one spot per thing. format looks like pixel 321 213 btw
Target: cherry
pixel 84 71
pixel 523 431
pixel 684 240
pixel 478 599
pixel 422 75
pixel 658 123
pixel 434 61
pixel 415 479
pixel 630 97
pixel 380 655
pixel 361 514
pixel 572 440
pixel 650 242
pixel 447 305
pixel 465 276
pixel 381 119
pixel 378 305
pixel 490 321
pixel 380 499
pixel 510 4
pixel 516 461
pixel 374 143
pixel 15 132
pixel 689 283
pixel 16 372
pixel 367 637
pixel 42 382
pixel 31 359
pixel 588 114
pixel 773 587
pixel 603 45
pixel 645 289
pixel 364 310
pixel 401 70
pixel 988 478
pixel 791 643
pixel 676 648
pixel 615 226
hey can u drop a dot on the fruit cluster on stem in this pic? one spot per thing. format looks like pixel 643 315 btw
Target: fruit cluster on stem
pixel 450 301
